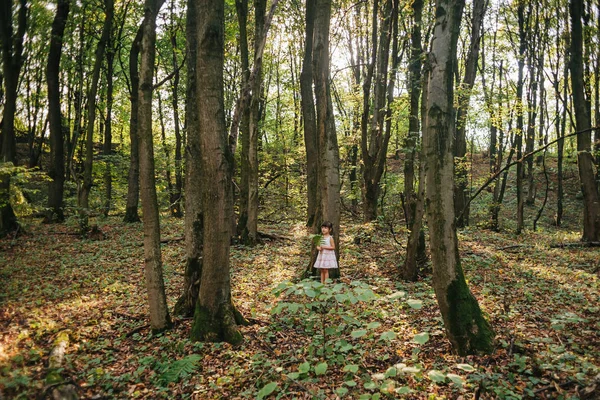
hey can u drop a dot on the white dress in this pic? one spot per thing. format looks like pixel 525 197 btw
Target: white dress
pixel 326 258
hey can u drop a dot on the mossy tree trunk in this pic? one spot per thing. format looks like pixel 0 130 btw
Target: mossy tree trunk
pixel 159 313
pixel 214 316
pixel 465 325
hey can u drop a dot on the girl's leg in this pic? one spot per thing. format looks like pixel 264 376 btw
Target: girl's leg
pixel 326 275
pixel 323 272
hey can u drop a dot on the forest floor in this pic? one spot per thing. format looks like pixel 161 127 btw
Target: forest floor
pixel 368 336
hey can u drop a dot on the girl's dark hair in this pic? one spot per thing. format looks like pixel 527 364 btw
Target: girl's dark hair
pixel 329 225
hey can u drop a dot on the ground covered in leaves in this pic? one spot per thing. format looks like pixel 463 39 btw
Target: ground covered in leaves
pixel 367 336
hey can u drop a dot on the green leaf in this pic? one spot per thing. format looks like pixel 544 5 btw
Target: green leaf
pixel 341 391
pixel 397 295
pixel 341 297
pixel 373 325
pixel 421 338
pixel 351 368
pixel 416 304
pixel 466 367
pixel 436 376
pixel 387 336
pixel 411 370
pixel 293 375
pixel 304 368
pixel 310 293
pixel 321 368
pixel 370 385
pixel 358 333
pixel 391 372
pixel 350 383
pixel 457 379
pixel 266 390
pixel 403 390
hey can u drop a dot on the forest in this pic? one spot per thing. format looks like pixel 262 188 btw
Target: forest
pixel 172 171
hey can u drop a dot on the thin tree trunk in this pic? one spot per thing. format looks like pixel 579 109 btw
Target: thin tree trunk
pixel 310 120
pixel 520 131
pixel 159 313
pixel 107 145
pixel 215 316
pixel 56 169
pixel 585 159
pixel 193 219
pixel 465 325
pixel 461 190
pixel 86 186
pixel 133 184
pixel 176 194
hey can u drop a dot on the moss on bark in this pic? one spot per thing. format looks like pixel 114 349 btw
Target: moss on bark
pixel 468 330
pixel 221 327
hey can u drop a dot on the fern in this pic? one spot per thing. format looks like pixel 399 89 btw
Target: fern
pixel 174 371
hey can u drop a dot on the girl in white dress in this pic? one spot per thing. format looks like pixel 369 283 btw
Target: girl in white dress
pixel 326 259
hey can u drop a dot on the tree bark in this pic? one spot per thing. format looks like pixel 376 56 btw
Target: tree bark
pixel 465 325
pixel 107 145
pixel 585 159
pixel 520 130
pixel 214 316
pixel 310 120
pixel 159 313
pixel 461 190
pixel 176 195
pixel 56 170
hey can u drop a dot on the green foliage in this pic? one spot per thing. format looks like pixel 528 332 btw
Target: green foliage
pixel 180 369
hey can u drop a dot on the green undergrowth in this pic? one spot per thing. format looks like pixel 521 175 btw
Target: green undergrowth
pixel 365 336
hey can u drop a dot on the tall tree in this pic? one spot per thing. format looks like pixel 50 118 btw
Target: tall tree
pixel 328 161
pixel 214 316
pixel 465 325
pixel 193 221
pixel 56 170
pixel 523 29
pixel 159 313
pixel 86 186
pixel 12 61
pixel 176 194
pixel 375 139
pixel 310 119
pixel 461 191
pixel 133 184
pixel 585 159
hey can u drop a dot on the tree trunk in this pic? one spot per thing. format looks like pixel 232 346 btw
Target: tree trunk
pixel 107 145
pixel 86 186
pixel 328 174
pixel 414 93
pixel 193 220
pixel 56 170
pixel 242 15
pixel 214 317
pixel 176 195
pixel 585 159
pixel 465 325
pixel 310 120
pixel 461 190
pixel 159 313
pixel 133 180
pixel 12 51
pixel 520 131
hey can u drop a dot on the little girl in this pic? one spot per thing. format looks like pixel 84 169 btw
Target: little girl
pixel 326 258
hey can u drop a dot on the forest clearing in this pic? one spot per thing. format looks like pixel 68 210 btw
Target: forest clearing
pixel 542 303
